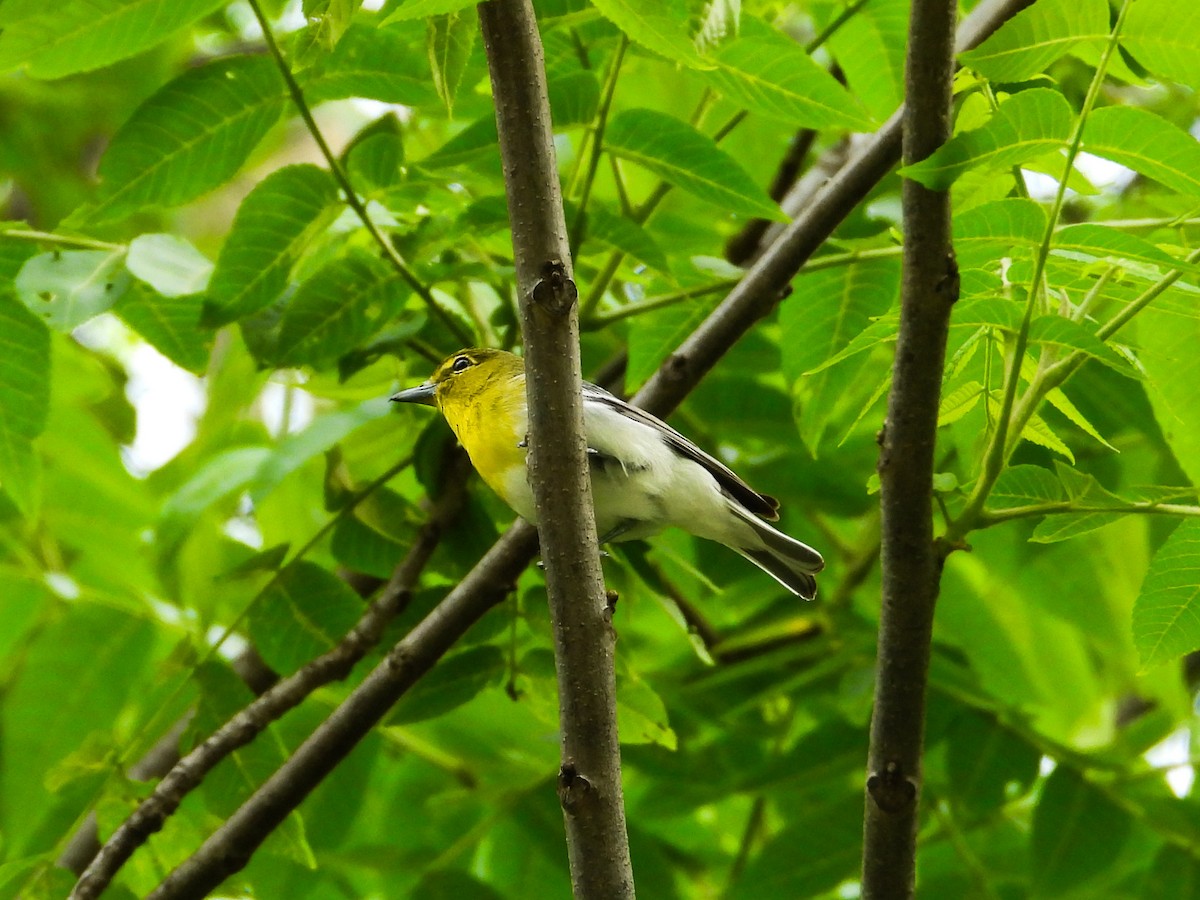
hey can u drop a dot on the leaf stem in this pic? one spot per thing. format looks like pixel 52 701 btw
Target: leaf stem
pixel 1000 447
pixel 61 240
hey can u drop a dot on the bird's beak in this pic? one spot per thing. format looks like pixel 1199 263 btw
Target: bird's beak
pixel 422 393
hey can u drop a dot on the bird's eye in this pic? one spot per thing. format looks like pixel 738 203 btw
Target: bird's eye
pixel 460 364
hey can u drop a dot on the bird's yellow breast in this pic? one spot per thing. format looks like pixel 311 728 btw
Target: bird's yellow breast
pixel 491 425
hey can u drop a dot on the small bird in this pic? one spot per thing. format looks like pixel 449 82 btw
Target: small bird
pixel 645 474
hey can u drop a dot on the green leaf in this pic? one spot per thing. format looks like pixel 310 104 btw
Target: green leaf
pixel 323 433
pixel 655 24
pixel 1103 243
pixel 989 232
pixel 1165 38
pixel 869 48
pixel 304 613
pixel 1166 616
pixel 1077 835
pixel 574 97
pixel 274 224
pixel 1027 125
pixel 69 685
pixel 984 761
pixel 642 715
pixel 1025 485
pixel 660 332
pixel 24 399
pixel 616 232
pixel 1040 433
pixel 829 829
pixel 454 681
pixel 827 310
pixel 384 64
pixel 171 325
pixel 769 73
pixel 449 41
pixel 958 402
pixel 66 288
pixel 423 9
pixel 682 156
pixel 468 145
pixel 1037 36
pixel 81 35
pixel 1167 353
pixel 168 264
pixel 1147 144
pixel 188 138
pixel 222 476
pixel 339 307
pixel 222 696
pixel 1057 331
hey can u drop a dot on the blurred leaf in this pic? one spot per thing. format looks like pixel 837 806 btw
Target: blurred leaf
pixel 449 40
pixel 574 97
pixel 338 308
pixel 1165 38
pixel 384 64
pixel 24 398
pixel 1166 617
pixel 1028 125
pixel 769 73
pixel 171 325
pixel 987 763
pixel 303 613
pixel 869 48
pixel 66 288
pixel 1020 486
pixel 222 696
pixel 1077 834
pixel 1167 342
pixel 616 232
pixel 70 685
pixel 1175 873
pixel 424 9
pixel 1001 229
pixel 80 35
pixel 655 24
pixel 454 681
pixel 817 849
pixel 1146 143
pixel 273 225
pixel 682 156
pixel 1037 36
pixel 168 264
pixel 641 714
pixel 453 884
pixel 188 138
pixel 828 309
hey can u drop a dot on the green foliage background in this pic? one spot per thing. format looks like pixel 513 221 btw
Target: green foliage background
pixel 160 188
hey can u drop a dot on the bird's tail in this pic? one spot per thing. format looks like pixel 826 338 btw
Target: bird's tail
pixel 789 561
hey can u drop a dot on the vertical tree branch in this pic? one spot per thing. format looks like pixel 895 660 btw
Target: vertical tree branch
pixel 590 777
pixel 911 567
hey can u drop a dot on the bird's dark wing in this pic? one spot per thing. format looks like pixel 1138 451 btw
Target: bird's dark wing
pixel 731 484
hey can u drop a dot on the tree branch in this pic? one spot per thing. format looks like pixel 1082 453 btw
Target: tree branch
pixel 231 846
pixel 229 849
pixel 241 729
pixel 911 568
pixel 589 782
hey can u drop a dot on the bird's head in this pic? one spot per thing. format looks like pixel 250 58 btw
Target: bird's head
pixel 461 378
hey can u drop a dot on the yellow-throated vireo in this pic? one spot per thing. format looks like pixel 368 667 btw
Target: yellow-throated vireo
pixel 645 474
